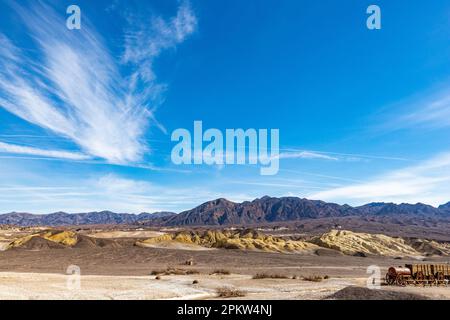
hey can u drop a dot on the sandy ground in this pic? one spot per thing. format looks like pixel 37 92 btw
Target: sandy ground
pixel 57 286
pixel 37 286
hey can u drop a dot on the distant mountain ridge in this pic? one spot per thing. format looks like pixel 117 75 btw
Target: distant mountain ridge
pixel 88 218
pixel 224 212
pixel 269 209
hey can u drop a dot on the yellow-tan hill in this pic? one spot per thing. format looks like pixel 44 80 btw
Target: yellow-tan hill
pixel 352 243
pixel 243 240
pixel 430 247
pixel 66 238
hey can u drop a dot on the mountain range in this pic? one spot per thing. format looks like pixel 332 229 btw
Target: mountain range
pixel 224 212
pixel 88 218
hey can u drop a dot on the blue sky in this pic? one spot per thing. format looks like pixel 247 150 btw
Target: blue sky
pixel 86 115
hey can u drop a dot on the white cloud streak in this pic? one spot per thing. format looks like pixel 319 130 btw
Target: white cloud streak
pixel 16 149
pixel 145 42
pixel 306 155
pixel 434 112
pixel 75 88
pixel 428 110
pixel 108 192
pixel 427 182
pixel 338 155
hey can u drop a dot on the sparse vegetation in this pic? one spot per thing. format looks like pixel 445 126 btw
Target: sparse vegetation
pixel 192 271
pixel 313 278
pixel 269 276
pixel 174 271
pixel 227 292
pixel 156 272
pixel 221 271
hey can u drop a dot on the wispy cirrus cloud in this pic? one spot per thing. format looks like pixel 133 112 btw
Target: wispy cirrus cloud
pixel 108 192
pixel 427 110
pixel 306 155
pixel 75 87
pixel 435 112
pixel 24 150
pixel 337 156
pixel 426 182
pixel 144 42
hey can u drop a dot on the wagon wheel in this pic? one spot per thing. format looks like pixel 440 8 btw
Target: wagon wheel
pixel 440 278
pixel 420 278
pixel 431 280
pixel 389 279
pixel 401 281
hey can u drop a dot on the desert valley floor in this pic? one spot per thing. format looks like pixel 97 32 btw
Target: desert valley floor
pixel 126 263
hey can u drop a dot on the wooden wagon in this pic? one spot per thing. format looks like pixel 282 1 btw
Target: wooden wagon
pixel 441 273
pixel 419 274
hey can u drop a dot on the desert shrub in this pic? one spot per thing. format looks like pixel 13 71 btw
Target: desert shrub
pixel 313 278
pixel 269 276
pixel 195 282
pixel 157 278
pixel 221 271
pixel 174 271
pixel 192 271
pixel 326 277
pixel 156 272
pixel 226 292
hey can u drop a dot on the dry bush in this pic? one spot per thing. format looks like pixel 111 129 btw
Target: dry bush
pixel 313 278
pixel 174 271
pixel 226 292
pixel 269 276
pixel 156 272
pixel 221 271
pixel 195 282
pixel 192 271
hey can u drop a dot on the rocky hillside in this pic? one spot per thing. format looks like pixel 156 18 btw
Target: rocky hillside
pixel 339 241
pixel 242 240
pixel 352 243
pixel 362 244
pixel 268 209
